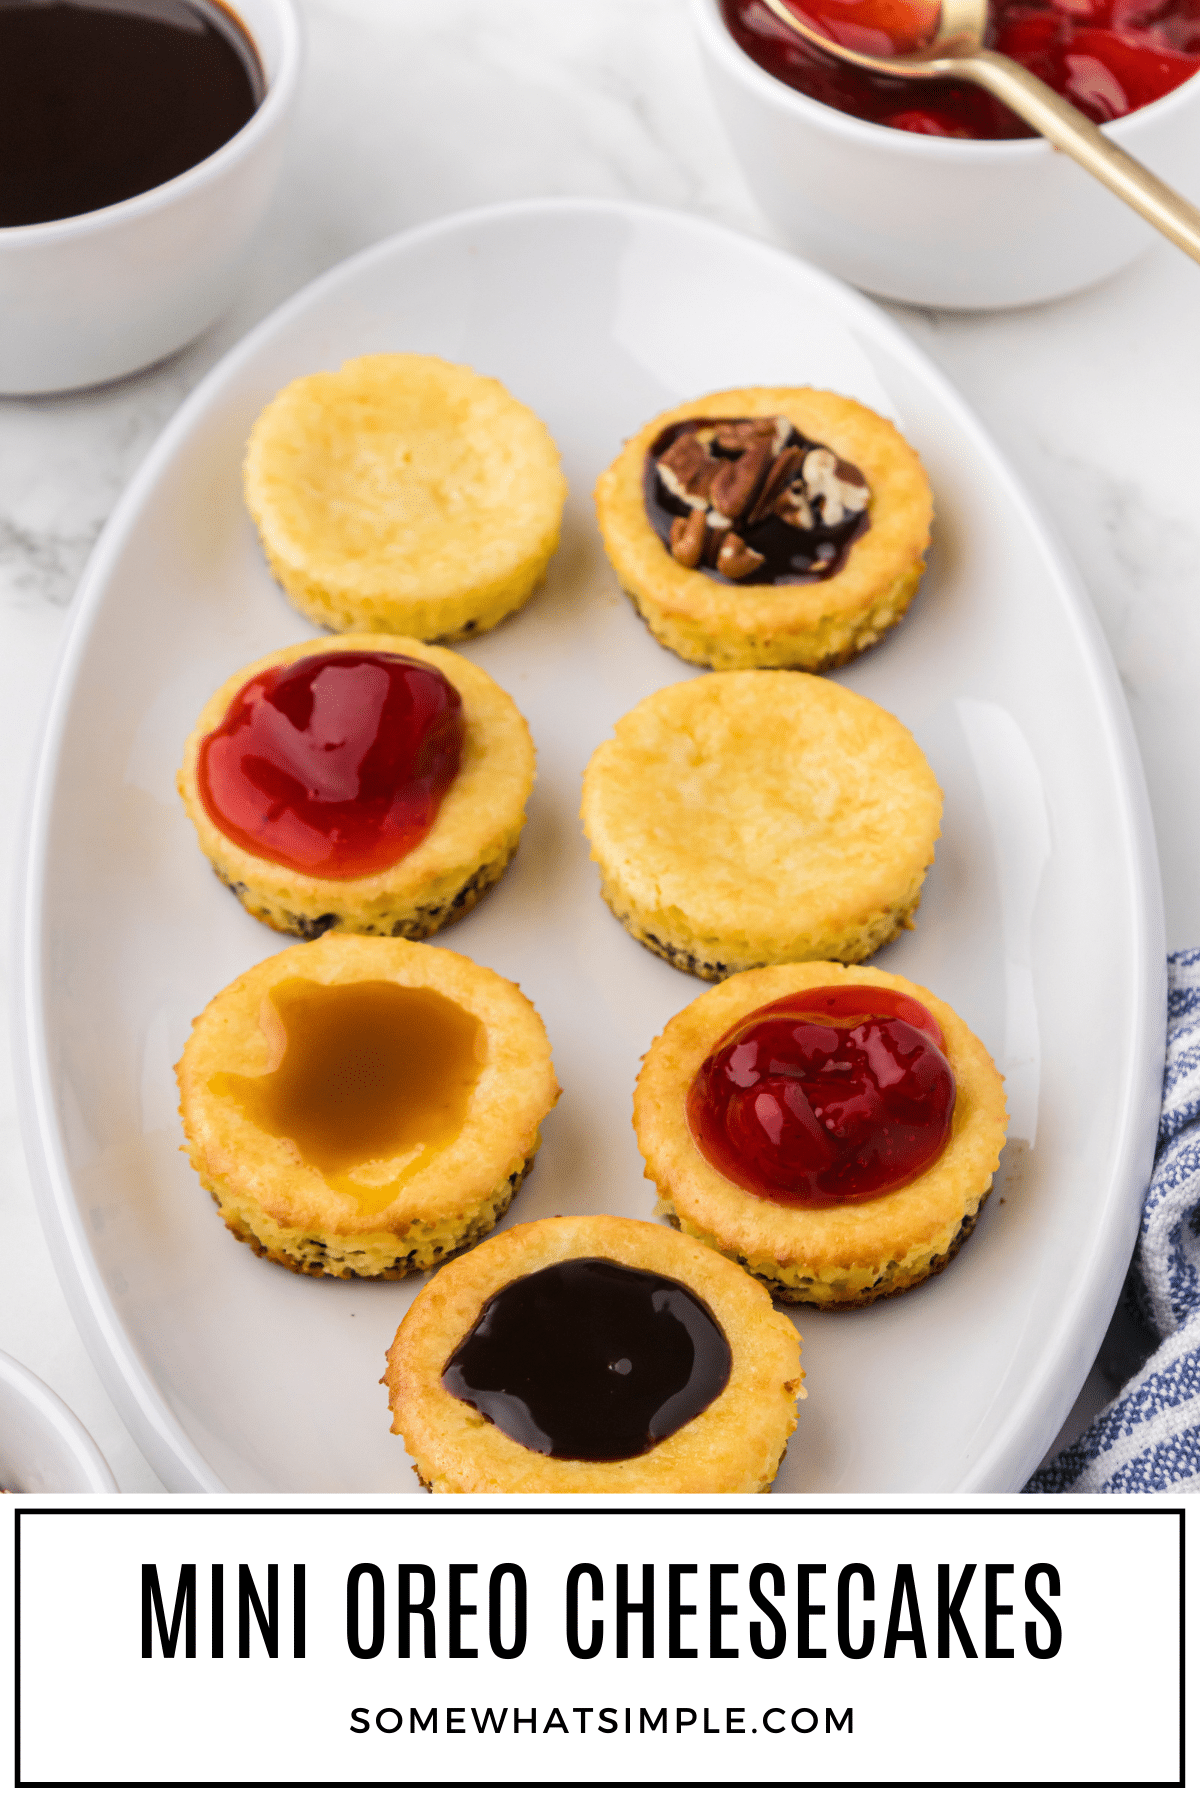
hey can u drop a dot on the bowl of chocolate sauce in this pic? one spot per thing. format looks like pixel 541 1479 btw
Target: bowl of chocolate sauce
pixel 140 142
pixel 930 193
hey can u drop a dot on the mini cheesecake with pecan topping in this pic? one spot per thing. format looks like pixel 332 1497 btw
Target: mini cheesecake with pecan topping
pixel 767 527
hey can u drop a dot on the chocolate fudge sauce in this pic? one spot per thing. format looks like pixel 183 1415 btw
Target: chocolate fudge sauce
pixel 591 1360
pixel 762 504
pixel 103 99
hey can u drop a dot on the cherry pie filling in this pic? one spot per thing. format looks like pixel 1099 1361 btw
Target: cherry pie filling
pixel 335 765
pixel 826 1097
pixel 1109 57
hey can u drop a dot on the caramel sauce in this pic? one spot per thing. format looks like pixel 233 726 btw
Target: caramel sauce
pixel 368 1079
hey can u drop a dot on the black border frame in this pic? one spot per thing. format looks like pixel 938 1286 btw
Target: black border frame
pixel 1106 1512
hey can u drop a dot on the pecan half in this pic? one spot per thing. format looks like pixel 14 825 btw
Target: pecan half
pixel 736 559
pixel 735 486
pixel 741 434
pixel 780 475
pixel 688 471
pixel 687 539
pixel 793 507
pixel 838 485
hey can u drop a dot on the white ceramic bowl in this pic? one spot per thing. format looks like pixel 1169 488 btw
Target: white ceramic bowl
pixel 43 1447
pixel 87 299
pixel 938 221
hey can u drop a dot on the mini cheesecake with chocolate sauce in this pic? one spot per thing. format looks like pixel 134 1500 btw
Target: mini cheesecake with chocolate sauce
pixel 594 1355
pixel 833 1130
pixel 767 527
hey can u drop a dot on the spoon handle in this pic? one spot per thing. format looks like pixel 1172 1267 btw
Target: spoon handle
pixel 1069 130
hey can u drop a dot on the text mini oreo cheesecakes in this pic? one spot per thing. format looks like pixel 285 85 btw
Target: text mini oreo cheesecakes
pixel 767 527
pixel 834 1130
pixel 363 783
pixel 364 1106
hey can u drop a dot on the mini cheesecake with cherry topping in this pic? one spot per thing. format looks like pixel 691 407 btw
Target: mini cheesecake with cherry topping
pixel 833 1130
pixel 363 1107
pixel 767 527
pixel 369 784
pixel 594 1355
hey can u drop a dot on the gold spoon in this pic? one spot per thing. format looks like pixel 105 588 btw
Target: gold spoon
pixel 957 51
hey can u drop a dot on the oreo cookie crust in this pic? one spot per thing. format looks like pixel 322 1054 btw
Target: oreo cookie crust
pixel 733 1446
pixel 404 493
pixel 386 1217
pixel 811 624
pixel 832 1257
pixel 471 843
pixel 760 817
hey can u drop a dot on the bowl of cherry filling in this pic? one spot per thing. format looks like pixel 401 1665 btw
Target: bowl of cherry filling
pixel 932 192
pixel 140 141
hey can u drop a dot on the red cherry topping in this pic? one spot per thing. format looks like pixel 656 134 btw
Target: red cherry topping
pixel 825 1097
pixel 335 765
pixel 1109 57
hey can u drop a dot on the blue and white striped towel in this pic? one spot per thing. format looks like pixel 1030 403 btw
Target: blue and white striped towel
pixel 1147 1440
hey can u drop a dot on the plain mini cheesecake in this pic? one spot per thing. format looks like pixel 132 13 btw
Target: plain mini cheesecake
pixel 364 783
pixel 833 1130
pixel 760 817
pixel 594 1355
pixel 404 493
pixel 364 1106
pixel 767 527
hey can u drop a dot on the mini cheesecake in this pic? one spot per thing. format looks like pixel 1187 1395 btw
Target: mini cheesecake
pixel 835 1131
pixel 750 818
pixel 363 1107
pixel 767 527
pixel 403 493
pixel 366 783
pixel 594 1355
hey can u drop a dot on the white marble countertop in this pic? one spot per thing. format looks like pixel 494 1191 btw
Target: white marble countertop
pixel 409 111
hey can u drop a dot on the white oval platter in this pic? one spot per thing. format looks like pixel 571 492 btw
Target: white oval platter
pixel 1041 921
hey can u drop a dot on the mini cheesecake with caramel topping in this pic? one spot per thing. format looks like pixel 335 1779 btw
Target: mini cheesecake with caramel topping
pixel 767 527
pixel 833 1130
pixel 363 1107
pixel 364 783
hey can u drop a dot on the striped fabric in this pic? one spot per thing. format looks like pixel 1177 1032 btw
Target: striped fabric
pixel 1148 1439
